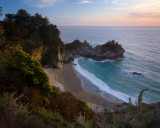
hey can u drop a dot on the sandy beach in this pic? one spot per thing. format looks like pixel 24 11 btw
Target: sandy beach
pixel 67 79
pixel 53 75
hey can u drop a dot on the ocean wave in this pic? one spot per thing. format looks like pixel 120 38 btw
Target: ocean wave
pixel 103 61
pixel 100 84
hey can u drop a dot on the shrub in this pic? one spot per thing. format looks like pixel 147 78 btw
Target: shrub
pixel 69 106
pixel 15 115
pixel 20 73
pixel 21 70
pixel 54 119
pixel 12 115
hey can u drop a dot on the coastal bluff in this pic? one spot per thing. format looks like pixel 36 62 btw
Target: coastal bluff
pixel 111 50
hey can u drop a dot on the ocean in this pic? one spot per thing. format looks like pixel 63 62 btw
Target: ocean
pixel 142 46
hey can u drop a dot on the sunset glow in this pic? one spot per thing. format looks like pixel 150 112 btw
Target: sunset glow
pixel 92 12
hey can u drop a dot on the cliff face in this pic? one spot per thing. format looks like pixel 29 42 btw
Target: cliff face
pixel 56 56
pixel 60 58
pixel 110 50
pixel 52 57
pixel 36 54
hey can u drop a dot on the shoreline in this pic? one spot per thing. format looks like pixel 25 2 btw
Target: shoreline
pixel 67 79
pixel 53 75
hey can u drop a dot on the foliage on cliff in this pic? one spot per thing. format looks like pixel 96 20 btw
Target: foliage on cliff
pixel 75 45
pixel 18 115
pixel 15 62
pixel 132 118
pixel 14 115
pixel 31 32
pixel 110 46
pixel 74 106
pixel 22 74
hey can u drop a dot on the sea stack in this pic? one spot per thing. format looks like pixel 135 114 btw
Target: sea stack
pixel 110 50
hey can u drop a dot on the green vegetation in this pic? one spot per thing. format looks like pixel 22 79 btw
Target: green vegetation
pixel 140 98
pixel 110 46
pixel 17 116
pixel 74 106
pixel 32 32
pixel 21 65
pixel 131 118
pixel 24 76
pixel 49 57
pixel 74 45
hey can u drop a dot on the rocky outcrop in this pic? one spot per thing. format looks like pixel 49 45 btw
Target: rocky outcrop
pixel 137 73
pixel 60 58
pixel 110 50
pixel 36 54
pixel 67 57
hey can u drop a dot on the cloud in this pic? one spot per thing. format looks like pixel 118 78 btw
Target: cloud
pixel 116 2
pixel 42 3
pixel 85 2
pixel 151 5
pixel 154 15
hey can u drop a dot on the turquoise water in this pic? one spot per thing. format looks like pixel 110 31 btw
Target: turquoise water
pixel 142 45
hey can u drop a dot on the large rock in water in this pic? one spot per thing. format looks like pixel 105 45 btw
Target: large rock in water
pixel 110 50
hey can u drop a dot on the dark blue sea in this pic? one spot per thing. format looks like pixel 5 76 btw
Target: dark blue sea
pixel 142 46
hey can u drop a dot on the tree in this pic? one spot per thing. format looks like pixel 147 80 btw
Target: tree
pixel 10 17
pixel 39 21
pixel 22 17
pixel 31 32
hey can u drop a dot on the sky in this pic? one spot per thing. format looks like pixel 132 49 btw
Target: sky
pixel 90 12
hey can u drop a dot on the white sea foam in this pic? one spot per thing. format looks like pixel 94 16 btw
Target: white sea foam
pixel 103 61
pixel 99 83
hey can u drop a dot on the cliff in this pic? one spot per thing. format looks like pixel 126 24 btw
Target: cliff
pixel 52 57
pixel 36 54
pixel 110 50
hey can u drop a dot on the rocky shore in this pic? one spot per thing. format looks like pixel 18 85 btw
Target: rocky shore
pixel 110 50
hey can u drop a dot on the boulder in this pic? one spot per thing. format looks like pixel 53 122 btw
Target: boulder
pixel 137 73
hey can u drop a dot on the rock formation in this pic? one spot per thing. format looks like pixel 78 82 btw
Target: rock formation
pixel 110 50
pixel 68 57
pixel 137 73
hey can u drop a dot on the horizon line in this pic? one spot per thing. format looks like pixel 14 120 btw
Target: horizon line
pixel 104 26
